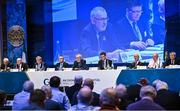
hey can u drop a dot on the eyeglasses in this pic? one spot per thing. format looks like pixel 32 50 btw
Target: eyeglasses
pixel 136 11
pixel 102 19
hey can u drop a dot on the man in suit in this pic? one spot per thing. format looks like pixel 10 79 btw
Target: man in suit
pixel 40 65
pixel 104 63
pixel 133 91
pixel 61 65
pixel 20 65
pixel 172 60
pixel 166 98
pixel 132 33
pixel 80 64
pixel 136 62
pixel 76 87
pixel 98 35
pixel 90 83
pixel 147 94
pixel 6 65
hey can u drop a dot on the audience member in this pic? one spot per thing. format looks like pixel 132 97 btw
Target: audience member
pixel 22 99
pixel 147 94
pixel 58 96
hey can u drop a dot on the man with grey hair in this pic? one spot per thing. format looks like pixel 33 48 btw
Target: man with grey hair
pixel 40 65
pixel 168 99
pixel 6 65
pixel 147 94
pixel 75 88
pixel 98 35
pixel 123 97
pixel 172 60
pixel 20 65
pixel 21 99
pixel 109 99
pixel 80 63
pixel 84 99
pixel 50 104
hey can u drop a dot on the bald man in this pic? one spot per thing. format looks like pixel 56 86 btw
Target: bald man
pixel 80 63
pixel 136 62
pixel 84 97
pixel 155 62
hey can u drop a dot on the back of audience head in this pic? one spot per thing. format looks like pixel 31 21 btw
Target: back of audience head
pixel 38 97
pixel 143 81
pixel 3 97
pixel 28 86
pixel 109 97
pixel 48 92
pixel 89 82
pixel 121 90
pixel 85 95
pixel 161 85
pixel 148 91
pixel 55 81
pixel 78 79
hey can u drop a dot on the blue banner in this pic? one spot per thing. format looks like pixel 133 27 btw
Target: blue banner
pixel 16 30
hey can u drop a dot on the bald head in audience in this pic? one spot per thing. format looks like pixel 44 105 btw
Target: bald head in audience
pixel 85 95
pixel 89 82
pixel 28 86
pixel 109 97
pixel 148 91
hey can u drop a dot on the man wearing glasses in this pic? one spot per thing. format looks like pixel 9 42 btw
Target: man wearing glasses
pixel 132 33
pixel 98 35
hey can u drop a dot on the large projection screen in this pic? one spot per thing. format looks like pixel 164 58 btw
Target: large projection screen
pixel 118 27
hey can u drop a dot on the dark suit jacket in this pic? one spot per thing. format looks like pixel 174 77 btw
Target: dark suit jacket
pixel 43 67
pixel 89 41
pixel 53 105
pixel 65 65
pixel 168 62
pixel 144 104
pixel 71 90
pixel 134 65
pixel 167 99
pixel 80 66
pixel 126 34
pixel 33 106
pixel 101 64
pixel 24 67
pixel 133 92
pixel 9 66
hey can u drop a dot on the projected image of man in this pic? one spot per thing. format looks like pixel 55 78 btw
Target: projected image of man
pixel 98 35
pixel 132 33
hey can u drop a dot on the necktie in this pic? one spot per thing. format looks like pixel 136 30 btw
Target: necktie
pixel 137 31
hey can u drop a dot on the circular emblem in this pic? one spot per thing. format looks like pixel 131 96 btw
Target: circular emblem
pixel 16 35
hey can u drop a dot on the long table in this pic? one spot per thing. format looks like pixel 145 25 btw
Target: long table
pixel 12 82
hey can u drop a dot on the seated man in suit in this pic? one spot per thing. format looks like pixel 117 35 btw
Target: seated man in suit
pixel 61 65
pixel 104 63
pixel 40 65
pixel 6 65
pixel 80 64
pixel 136 62
pixel 131 32
pixel 172 60
pixel 147 94
pixel 20 65
pixel 98 35
pixel 155 62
